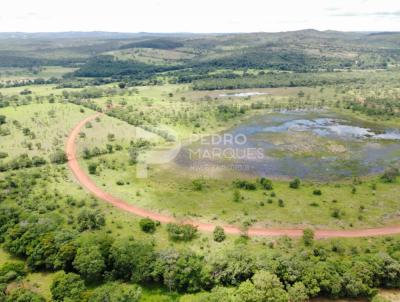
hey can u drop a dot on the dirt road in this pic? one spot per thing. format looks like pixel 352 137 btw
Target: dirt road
pixel 84 179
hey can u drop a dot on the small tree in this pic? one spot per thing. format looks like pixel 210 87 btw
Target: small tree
pixel 147 225
pixel 2 119
pixel 184 232
pixel 92 168
pixel 219 234
pixel 59 157
pixel 308 237
pixel 266 183
pixel 67 287
pixel 295 183
pixel 390 175
pixel 237 196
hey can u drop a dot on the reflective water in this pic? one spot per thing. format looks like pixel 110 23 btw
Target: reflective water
pixel 313 145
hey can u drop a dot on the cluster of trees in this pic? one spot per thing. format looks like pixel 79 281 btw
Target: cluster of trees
pixel 107 66
pixel 22 161
pixel 88 255
pixel 283 79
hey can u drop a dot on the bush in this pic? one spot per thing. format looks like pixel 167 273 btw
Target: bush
pixel 266 184
pixel 2 119
pixel 92 167
pixel 244 184
pixel 181 232
pixel 308 237
pixel 90 220
pixel 58 157
pixel 147 225
pixel 3 155
pixel 219 234
pixel 390 175
pixel 11 271
pixel 317 192
pixel 295 183
pixel 24 295
pixel 67 287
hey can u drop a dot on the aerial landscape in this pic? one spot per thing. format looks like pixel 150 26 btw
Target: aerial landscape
pixel 199 163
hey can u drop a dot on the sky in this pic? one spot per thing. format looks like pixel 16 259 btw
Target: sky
pixel 198 16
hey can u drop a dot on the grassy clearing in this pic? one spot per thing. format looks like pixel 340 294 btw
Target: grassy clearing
pixel 48 125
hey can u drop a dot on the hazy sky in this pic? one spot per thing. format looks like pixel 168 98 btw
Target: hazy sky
pixel 198 15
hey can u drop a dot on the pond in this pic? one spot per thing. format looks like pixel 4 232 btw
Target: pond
pixel 314 145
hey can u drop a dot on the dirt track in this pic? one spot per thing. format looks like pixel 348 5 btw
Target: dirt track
pixel 90 186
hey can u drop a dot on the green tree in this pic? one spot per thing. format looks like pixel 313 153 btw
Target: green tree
pixel 298 292
pixel 147 225
pixel 219 234
pixel 3 119
pixel 58 157
pixel 308 237
pixel 24 295
pixel 67 287
pixel 295 183
pixel 89 262
pixel 132 261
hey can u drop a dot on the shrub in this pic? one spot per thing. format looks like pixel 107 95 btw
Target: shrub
pixel 181 232
pixel 58 157
pixel 295 183
pixel 219 234
pixel 317 192
pixel 67 287
pixel 3 155
pixel 390 175
pixel 147 225
pixel 308 237
pixel 244 184
pixel 92 168
pixel 266 183
pixel 2 119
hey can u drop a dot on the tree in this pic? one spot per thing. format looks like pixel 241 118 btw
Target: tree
pixel 295 183
pixel 263 287
pixel 58 157
pixel 3 119
pixel 266 183
pixel 308 237
pixel 89 262
pixel 219 234
pixel 390 175
pixel 147 225
pixel 183 232
pixel 92 167
pixel 298 292
pixel 131 261
pixel 67 287
pixel 24 295
pixel 90 220
pixel 182 271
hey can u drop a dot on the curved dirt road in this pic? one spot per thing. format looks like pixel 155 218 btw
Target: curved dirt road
pixel 89 185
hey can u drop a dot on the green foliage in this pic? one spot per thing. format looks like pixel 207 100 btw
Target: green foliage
pixel 58 157
pixel 219 234
pixel 132 261
pixel 11 271
pixel 390 175
pixel 147 225
pixel 244 184
pixel 266 184
pixel 3 119
pixel 295 183
pixel 114 292
pixel 67 286
pixel 89 262
pixel 308 237
pixel 24 295
pixel 181 232
pixel 90 220
pixel 92 167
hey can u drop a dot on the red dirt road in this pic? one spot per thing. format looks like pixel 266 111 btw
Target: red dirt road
pixel 90 186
